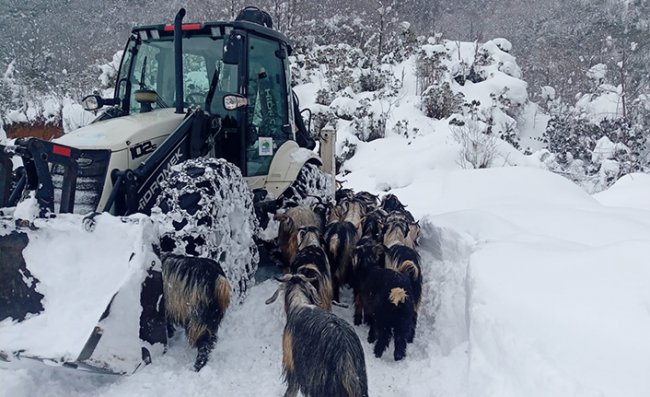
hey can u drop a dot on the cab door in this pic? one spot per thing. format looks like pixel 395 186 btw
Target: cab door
pixel 267 116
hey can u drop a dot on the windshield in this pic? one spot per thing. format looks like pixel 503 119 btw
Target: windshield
pixel 149 65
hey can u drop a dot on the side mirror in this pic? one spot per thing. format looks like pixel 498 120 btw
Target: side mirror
pixel 92 102
pixel 234 101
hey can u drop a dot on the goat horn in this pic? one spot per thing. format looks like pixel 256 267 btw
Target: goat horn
pixel 284 278
pixel 343 305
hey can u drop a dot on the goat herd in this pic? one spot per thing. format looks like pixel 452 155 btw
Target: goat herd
pixel 359 241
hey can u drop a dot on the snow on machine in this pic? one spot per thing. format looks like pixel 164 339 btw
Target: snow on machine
pixel 201 140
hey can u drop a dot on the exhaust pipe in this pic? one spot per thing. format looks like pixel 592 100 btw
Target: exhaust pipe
pixel 178 58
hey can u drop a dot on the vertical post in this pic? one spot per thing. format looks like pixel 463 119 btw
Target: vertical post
pixel 327 152
pixel 6 168
pixel 178 58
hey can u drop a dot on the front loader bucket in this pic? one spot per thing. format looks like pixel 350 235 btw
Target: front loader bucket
pixel 82 297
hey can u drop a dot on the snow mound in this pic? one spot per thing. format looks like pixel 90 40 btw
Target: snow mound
pixel 80 273
pixel 632 191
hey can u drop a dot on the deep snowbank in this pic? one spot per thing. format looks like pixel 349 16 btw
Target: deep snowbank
pixel 557 295
pixel 80 273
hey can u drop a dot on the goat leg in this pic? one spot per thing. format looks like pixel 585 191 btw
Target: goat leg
pixel 204 346
pixel 383 339
pixel 411 333
pixel 358 309
pixel 401 332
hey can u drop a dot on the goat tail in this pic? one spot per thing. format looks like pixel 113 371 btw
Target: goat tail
pixel 333 245
pixel 222 293
pixel 409 267
pixel 397 296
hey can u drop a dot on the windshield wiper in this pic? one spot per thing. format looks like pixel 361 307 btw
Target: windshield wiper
pixel 159 101
pixel 213 88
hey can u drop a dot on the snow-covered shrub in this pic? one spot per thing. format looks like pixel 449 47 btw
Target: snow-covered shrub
pixel 402 128
pixel 430 67
pixel 324 96
pixel 340 78
pixel 321 119
pixel 109 70
pixel 478 147
pixel 606 150
pixel 369 124
pixel 570 138
pixel 370 80
pixel 439 101
pixel 347 151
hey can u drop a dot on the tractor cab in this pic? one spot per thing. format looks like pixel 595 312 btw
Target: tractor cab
pixel 238 72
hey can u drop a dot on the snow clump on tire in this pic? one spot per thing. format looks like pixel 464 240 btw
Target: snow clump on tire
pixel 311 186
pixel 206 210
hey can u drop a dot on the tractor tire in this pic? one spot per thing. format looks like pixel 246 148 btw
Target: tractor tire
pixel 206 210
pixel 312 185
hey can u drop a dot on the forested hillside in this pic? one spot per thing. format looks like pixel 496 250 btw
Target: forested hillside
pixel 585 64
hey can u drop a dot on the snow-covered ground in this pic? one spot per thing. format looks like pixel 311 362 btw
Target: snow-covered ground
pixel 533 288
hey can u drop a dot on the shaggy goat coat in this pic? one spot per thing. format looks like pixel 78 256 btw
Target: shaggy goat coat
pixel 290 222
pixel 311 261
pixel 340 240
pixel 196 295
pixel 389 309
pixel 322 354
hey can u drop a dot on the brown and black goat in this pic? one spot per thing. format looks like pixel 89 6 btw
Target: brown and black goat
pixel 369 200
pixel 372 225
pixel 311 261
pixel 399 231
pixel 290 222
pixel 390 203
pixel 196 295
pixel 321 353
pixel 340 240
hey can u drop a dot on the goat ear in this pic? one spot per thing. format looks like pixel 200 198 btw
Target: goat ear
pixel 280 217
pixel 289 222
pixel 273 297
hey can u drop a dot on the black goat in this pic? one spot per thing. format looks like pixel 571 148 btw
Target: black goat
pixel 368 254
pixel 196 294
pixel 388 306
pixel 322 354
pixel 406 260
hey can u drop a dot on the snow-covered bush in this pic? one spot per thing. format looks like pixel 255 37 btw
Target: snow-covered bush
pixel 439 101
pixel 478 145
pixel 605 151
pixel 369 124
pixel 430 66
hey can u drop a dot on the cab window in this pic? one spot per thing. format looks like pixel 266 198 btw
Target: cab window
pixel 267 111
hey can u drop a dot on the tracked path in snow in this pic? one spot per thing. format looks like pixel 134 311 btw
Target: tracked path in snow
pixel 247 357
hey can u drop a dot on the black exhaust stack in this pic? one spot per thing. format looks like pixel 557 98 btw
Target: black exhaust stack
pixel 178 58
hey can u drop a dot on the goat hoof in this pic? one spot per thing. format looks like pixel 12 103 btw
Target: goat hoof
pixel 357 320
pixel 399 356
